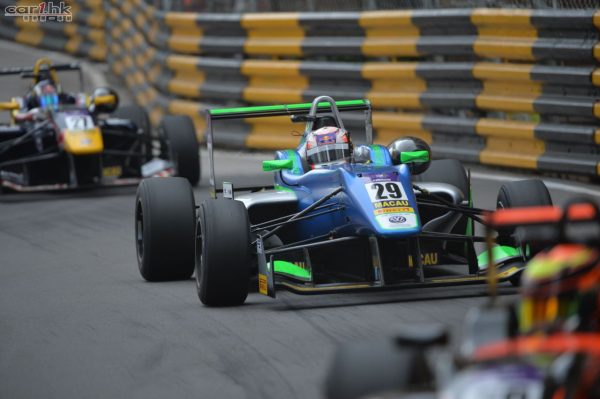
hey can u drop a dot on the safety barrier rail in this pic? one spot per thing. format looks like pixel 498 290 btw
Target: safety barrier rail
pixel 515 88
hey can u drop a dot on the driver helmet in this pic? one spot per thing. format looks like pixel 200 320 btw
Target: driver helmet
pixel 561 291
pixel 327 146
pixel 47 94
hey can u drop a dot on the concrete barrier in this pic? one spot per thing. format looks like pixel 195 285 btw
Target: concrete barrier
pixel 515 88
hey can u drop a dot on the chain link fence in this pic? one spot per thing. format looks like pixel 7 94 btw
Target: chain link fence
pixel 225 6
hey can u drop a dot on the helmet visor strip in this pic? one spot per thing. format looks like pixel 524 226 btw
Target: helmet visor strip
pixel 329 153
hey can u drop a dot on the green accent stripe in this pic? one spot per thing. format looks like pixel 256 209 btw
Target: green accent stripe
pixel 292 269
pixel 297 169
pixel 277 164
pixel 288 107
pixel 277 187
pixel 470 222
pixel 500 252
pixel 414 156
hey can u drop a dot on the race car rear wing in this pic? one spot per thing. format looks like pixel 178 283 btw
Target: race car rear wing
pixel 42 66
pixel 74 66
pixel 320 104
pixel 289 109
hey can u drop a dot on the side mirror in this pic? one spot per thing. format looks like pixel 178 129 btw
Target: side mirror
pixel 104 100
pixel 277 164
pixel 411 151
pixel 9 106
pixel 108 99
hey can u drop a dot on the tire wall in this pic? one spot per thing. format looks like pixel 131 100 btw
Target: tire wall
pixel 505 87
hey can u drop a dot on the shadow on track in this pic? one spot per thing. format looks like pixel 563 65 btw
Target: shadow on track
pixel 289 303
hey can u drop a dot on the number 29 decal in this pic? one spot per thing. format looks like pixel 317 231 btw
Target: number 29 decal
pixel 385 191
pixel 391 207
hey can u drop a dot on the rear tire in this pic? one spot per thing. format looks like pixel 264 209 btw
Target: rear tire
pixel 521 194
pixel 181 146
pixel 139 116
pixel 164 229
pixel 223 256
pixel 449 171
pixel 136 114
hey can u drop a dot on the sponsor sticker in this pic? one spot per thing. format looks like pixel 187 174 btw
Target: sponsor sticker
pixel 427 259
pixel 384 211
pixel 397 221
pixel 386 190
pixel 392 209
pixel 227 190
pixel 262 284
pixel 112 171
pixel 390 204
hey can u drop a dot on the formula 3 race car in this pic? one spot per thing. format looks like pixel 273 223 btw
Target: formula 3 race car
pixel 338 218
pixel 546 344
pixel 59 140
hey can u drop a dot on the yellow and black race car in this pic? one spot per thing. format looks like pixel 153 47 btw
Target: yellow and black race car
pixel 60 140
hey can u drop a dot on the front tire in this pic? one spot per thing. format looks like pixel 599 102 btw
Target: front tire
pixel 223 253
pixel 179 135
pixel 164 229
pixel 521 194
pixel 139 116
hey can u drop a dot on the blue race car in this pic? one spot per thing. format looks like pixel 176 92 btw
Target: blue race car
pixel 339 217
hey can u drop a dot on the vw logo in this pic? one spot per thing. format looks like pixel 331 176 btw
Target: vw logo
pixel 397 219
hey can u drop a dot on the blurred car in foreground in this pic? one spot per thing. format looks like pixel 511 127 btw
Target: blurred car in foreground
pixel 546 345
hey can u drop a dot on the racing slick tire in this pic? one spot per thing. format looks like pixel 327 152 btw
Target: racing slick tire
pixel 164 228
pixel 373 367
pixel 139 116
pixel 182 146
pixel 223 256
pixel 449 171
pixel 521 194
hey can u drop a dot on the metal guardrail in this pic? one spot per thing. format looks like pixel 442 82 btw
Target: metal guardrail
pixel 515 88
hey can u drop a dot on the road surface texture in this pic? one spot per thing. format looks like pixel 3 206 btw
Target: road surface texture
pixel 77 320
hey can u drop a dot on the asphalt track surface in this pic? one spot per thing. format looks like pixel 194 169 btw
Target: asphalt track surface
pixel 77 320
